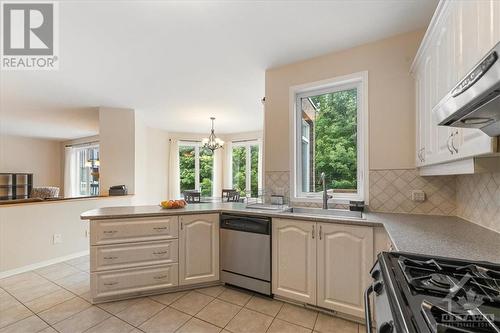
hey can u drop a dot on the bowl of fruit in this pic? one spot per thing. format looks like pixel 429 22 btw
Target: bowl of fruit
pixel 173 204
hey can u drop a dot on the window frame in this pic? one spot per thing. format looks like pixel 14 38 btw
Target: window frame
pixel 356 80
pixel 81 164
pixel 248 163
pixel 197 146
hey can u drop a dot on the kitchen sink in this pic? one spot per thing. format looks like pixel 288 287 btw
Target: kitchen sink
pixel 325 212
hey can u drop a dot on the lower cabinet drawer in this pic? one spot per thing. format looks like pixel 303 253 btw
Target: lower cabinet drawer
pixel 116 231
pixel 133 281
pixel 106 257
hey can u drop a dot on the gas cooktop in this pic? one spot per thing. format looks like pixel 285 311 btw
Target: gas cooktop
pixel 435 294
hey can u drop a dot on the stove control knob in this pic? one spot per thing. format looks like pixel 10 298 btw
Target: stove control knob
pixel 386 327
pixel 375 274
pixel 378 287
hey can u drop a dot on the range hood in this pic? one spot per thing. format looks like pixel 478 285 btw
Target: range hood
pixel 475 101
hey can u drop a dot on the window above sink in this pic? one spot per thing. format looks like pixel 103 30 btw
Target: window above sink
pixel 329 126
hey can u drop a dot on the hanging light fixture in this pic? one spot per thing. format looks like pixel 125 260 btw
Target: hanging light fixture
pixel 212 142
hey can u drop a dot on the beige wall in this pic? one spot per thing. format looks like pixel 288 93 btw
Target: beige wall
pixel 117 148
pixel 41 157
pixel 151 164
pixel 390 99
pixel 26 230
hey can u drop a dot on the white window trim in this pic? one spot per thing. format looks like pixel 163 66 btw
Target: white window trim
pixel 360 79
pixel 247 144
pixel 197 146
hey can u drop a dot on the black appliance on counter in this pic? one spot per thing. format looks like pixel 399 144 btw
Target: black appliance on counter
pixel 417 293
pixel 117 190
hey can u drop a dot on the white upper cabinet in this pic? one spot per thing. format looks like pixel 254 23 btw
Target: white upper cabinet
pixel 198 248
pixel 460 34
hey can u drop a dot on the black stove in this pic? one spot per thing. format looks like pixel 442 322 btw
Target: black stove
pixel 416 293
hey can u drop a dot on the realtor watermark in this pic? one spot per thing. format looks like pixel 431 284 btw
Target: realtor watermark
pixel 467 313
pixel 29 35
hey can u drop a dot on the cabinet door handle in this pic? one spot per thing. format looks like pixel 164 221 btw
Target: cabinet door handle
pixel 110 283
pixel 160 277
pixel 110 258
pixel 448 143
pixel 313 232
pixel 423 154
pixel 320 232
pixel 159 253
pixel 182 225
pixel 453 142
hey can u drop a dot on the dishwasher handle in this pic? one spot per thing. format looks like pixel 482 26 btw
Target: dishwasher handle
pixel 252 224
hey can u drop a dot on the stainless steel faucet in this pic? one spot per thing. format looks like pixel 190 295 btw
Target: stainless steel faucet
pixel 325 194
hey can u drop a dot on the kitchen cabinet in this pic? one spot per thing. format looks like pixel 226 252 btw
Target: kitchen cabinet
pixel 294 260
pixel 460 34
pixel 344 259
pixel 198 248
pixel 323 264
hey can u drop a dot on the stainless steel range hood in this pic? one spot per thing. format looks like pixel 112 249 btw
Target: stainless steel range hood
pixel 475 101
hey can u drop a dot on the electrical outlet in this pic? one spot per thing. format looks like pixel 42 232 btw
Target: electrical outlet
pixel 57 238
pixel 418 195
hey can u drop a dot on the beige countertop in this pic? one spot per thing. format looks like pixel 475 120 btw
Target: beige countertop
pixel 446 236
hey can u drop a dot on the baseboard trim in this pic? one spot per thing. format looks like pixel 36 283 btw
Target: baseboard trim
pixel 31 267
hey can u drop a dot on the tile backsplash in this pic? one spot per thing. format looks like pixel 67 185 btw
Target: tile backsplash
pixel 473 197
pixel 478 199
pixel 390 191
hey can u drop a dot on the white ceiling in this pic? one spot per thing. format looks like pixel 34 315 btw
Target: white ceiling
pixel 182 62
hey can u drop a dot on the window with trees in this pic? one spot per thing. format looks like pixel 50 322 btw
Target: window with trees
pixel 196 165
pixel 329 139
pixel 246 168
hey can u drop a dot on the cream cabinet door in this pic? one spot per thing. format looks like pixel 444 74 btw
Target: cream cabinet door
pixel 294 260
pixel 344 260
pixel 199 248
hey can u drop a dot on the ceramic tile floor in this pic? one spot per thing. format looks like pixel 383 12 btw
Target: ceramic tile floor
pixel 56 299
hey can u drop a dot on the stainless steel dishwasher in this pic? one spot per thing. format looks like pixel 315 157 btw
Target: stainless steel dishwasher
pixel 245 252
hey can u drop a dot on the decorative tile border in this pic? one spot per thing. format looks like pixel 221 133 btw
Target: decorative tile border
pixel 478 199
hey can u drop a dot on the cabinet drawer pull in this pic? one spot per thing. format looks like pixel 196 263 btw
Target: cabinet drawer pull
pixel 159 253
pixel 110 283
pixel 110 258
pixel 110 232
pixel 159 228
pixel 160 277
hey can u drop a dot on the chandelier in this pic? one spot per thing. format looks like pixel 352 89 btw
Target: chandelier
pixel 212 142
